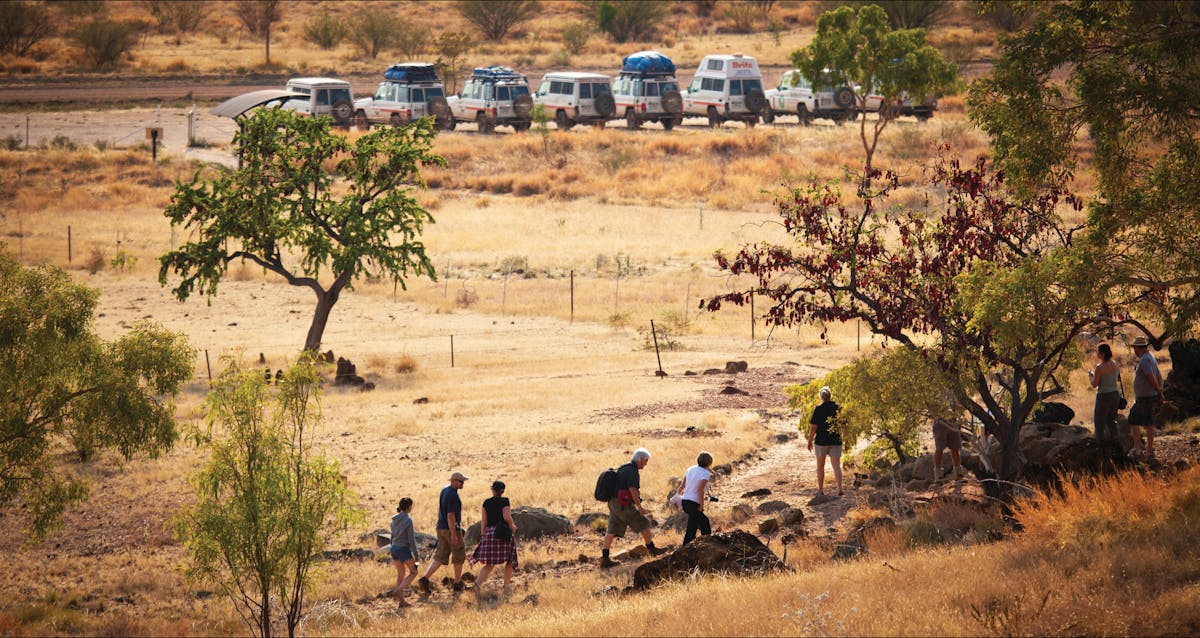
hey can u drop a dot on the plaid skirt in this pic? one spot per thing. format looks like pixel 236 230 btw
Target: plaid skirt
pixel 492 551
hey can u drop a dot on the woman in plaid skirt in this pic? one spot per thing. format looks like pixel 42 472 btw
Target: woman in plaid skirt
pixel 497 543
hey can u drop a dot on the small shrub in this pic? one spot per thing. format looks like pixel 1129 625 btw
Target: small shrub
pixel 178 65
pixel 575 36
pixel 325 31
pixel 105 42
pixel 466 297
pixel 95 261
pixel 12 143
pixel 61 142
pixel 406 364
pixel 618 319
pixel 922 530
pixel 122 261
pixel 516 264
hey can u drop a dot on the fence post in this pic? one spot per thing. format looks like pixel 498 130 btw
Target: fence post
pixel 687 296
pixel 751 318
pixel 451 351
pixel 446 289
pixel 26 131
pixel 68 243
pixel 21 239
pixel 504 293
pixel 654 333
pixel 191 126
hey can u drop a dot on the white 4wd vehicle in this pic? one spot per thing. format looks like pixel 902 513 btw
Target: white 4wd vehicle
pixel 323 96
pixel 726 87
pixel 409 92
pixel 646 91
pixel 922 110
pixel 495 95
pixel 571 98
pixel 797 96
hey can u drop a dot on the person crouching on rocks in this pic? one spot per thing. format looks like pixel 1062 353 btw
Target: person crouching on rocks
pixel 497 542
pixel 404 548
pixel 823 431
pixel 692 492
pixel 626 510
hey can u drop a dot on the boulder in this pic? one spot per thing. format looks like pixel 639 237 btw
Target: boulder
pixel 792 517
pixel 714 371
pixel 917 485
pixel 1182 386
pixel 768 525
pixel 735 553
pixel 640 552
pixel 762 491
pixel 591 519
pixel 532 523
pixel 1054 412
pixel 677 522
pixel 855 543
pixel 723 469
pixel 734 367
pixel 770 507
pixel 734 391
pixel 741 513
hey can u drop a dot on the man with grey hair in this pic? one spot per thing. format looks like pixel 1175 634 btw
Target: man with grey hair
pixel 626 510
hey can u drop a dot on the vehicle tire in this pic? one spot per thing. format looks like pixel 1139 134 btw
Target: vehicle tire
pixel 843 98
pixel 924 116
pixel 451 124
pixel 672 102
pixel 714 118
pixel 342 111
pixel 751 121
pixel 520 127
pixel 768 116
pixel 632 120
pixel 361 122
pixel 605 105
pixel 485 123
pixel 396 120
pixel 523 107
pixel 669 123
pixel 756 101
pixel 806 118
pixel 561 120
pixel 439 108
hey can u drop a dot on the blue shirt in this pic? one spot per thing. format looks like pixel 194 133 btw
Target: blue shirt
pixel 1147 367
pixel 449 503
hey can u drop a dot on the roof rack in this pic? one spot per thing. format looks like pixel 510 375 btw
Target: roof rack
pixel 496 72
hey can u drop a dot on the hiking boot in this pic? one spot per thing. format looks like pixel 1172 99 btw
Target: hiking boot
pixel 458 586
pixel 657 551
pixel 607 563
pixel 402 603
pixel 424 586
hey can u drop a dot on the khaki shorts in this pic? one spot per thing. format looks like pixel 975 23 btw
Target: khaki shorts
pixel 445 551
pixel 620 517
pixel 946 438
pixel 832 451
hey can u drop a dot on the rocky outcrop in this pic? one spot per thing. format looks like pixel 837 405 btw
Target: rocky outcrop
pixel 532 523
pixel 1182 387
pixel 737 552
pixel 856 541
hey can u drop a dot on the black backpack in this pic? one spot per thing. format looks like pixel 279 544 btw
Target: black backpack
pixel 606 485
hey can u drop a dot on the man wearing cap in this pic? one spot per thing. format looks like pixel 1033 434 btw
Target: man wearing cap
pixel 450 548
pixel 1148 396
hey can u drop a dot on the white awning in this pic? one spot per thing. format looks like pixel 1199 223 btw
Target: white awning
pixel 236 106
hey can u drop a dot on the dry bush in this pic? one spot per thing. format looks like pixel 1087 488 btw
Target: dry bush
pixel 405 364
pixel 96 260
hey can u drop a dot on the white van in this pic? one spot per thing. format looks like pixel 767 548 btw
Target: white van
pixel 572 97
pixel 322 96
pixel 410 91
pixel 795 95
pixel 726 87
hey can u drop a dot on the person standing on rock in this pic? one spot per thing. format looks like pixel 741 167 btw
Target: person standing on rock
pixel 946 436
pixel 1147 397
pixel 626 510
pixel 692 492
pixel 1106 378
pixel 497 539
pixel 450 547
pixel 822 431
pixel 404 549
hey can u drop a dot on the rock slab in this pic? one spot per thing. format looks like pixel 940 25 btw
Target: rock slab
pixel 736 553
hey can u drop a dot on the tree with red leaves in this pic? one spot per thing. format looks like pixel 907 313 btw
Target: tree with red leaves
pixel 987 286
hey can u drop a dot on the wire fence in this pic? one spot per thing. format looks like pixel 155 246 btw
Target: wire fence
pixel 180 128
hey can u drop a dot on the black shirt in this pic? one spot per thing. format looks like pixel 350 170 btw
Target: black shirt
pixel 494 508
pixel 628 476
pixel 822 415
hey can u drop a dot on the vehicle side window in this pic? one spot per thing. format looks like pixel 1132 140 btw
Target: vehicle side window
pixel 601 89
pixel 651 89
pixel 322 97
pixel 713 84
pixel 716 65
pixel 502 94
pixel 585 91
pixel 401 94
pixel 735 87
pixel 561 88
pixel 416 95
pixel 489 91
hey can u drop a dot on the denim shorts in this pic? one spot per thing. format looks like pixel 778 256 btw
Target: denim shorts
pixel 401 553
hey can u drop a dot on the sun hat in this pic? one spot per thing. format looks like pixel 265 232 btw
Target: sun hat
pixel 1140 342
pixel 457 476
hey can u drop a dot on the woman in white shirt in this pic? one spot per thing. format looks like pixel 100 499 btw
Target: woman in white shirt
pixel 692 492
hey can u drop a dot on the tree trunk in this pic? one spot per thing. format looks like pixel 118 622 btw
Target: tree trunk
pixel 897 447
pixel 316 330
pixel 268 42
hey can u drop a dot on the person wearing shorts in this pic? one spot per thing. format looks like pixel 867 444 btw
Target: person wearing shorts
pixel 822 431
pixel 1148 397
pixel 450 547
pixel 946 436
pixel 626 510
pixel 404 548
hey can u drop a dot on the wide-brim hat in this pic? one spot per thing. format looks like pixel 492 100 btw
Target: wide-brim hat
pixel 1140 341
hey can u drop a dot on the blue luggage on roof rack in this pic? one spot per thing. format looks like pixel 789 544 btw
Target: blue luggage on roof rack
pixel 496 72
pixel 648 63
pixel 412 72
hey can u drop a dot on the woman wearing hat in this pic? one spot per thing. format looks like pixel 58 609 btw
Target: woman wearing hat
pixel 497 542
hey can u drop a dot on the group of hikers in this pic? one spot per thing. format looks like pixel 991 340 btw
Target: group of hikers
pixel 627 511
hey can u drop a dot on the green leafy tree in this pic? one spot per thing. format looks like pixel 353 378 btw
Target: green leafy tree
pixel 495 18
pixel 630 20
pixel 412 40
pixel 23 24
pixel 325 30
pixel 863 52
pixel 452 48
pixel 1125 74
pixel 915 14
pixel 267 499
pixel 287 212
pixel 178 16
pixel 104 42
pixel 889 397
pixel 372 31
pixel 259 18
pixel 62 383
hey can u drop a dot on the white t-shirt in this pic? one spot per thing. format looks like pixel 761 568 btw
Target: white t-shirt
pixel 691 483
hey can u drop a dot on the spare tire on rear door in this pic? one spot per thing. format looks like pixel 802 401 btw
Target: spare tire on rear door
pixel 756 101
pixel 672 102
pixel 439 108
pixel 843 98
pixel 605 105
pixel 523 106
pixel 342 111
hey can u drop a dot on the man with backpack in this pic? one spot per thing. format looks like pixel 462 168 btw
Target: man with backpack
pixel 625 508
